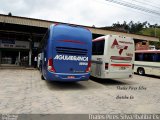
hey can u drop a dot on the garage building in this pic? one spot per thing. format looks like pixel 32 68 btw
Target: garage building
pixel 20 38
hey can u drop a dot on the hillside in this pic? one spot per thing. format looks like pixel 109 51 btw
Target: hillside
pixel 151 32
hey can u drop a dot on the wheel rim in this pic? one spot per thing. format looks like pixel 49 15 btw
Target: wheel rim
pixel 140 72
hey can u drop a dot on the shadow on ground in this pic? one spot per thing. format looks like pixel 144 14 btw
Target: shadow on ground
pixel 65 86
pixel 109 82
pixel 151 76
pixel 93 83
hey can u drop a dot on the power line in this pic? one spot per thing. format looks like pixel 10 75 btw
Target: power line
pixel 138 12
pixel 134 6
pixel 129 10
pixel 146 3
pixel 152 1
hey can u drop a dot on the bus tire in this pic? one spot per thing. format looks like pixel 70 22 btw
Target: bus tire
pixel 141 71
pixel 42 77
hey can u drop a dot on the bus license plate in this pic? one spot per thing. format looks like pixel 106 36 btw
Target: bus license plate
pixel 122 68
pixel 71 77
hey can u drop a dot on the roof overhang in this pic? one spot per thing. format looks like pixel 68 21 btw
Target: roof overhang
pixel 46 24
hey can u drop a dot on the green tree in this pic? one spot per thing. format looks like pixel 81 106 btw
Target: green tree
pixel 131 27
pixel 9 14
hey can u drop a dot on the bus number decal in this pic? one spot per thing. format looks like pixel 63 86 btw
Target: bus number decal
pixel 83 63
pixel 122 68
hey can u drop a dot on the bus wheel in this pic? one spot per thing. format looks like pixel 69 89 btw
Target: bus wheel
pixel 42 77
pixel 140 71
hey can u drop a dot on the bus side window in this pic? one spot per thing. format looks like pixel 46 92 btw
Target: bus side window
pixel 148 57
pixel 136 56
pixel 145 57
pixel 139 57
pixel 156 57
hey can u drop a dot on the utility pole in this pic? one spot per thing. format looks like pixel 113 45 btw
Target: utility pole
pixel 155 31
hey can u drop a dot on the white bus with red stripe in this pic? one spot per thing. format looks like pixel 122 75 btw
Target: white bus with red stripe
pixel 147 62
pixel 112 57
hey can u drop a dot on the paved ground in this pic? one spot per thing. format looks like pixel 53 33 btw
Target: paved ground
pixel 22 91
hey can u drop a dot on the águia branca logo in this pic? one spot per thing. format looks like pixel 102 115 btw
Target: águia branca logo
pixel 68 57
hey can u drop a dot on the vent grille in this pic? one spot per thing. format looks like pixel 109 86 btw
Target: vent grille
pixel 73 51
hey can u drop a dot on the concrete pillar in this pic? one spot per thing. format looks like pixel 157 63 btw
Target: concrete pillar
pixel 30 57
pixel 19 58
pixel 30 52
pixel 0 56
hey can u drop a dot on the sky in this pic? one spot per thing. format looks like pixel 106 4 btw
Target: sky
pixel 99 13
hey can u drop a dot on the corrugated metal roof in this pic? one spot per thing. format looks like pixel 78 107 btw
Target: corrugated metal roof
pixel 46 24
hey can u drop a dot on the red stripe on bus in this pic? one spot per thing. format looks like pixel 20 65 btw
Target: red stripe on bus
pixel 120 58
pixel 72 41
pixel 118 65
pixel 147 51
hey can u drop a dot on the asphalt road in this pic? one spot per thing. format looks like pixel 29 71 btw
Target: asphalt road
pixel 23 91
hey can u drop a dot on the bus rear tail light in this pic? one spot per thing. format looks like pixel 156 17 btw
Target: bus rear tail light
pixel 50 65
pixel 106 66
pixel 88 67
pixel 132 66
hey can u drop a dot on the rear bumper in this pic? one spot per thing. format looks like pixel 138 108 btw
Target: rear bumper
pixel 66 77
pixel 117 75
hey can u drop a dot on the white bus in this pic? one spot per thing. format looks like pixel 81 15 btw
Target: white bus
pixel 112 57
pixel 147 62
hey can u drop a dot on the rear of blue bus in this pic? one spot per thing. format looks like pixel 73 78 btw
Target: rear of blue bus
pixel 69 57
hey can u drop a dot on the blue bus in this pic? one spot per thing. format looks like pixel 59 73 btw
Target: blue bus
pixel 66 53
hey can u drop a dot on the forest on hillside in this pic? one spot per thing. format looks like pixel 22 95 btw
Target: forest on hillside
pixel 143 28
pixel 137 28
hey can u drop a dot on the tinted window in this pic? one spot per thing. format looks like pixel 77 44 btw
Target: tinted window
pixel 150 57
pixel 138 56
pixel 156 57
pixel 98 47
